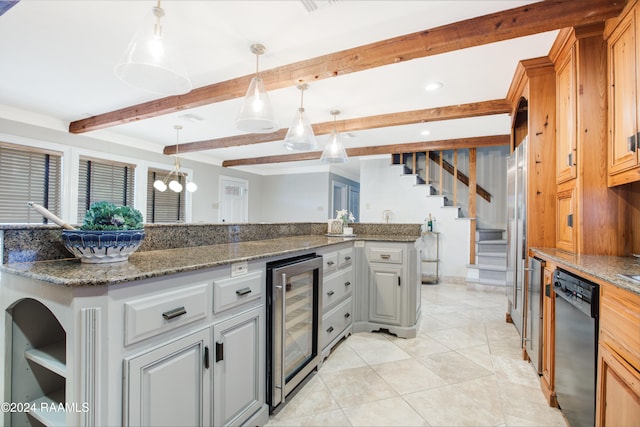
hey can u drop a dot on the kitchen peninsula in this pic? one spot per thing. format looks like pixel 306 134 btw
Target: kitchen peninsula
pixel 171 333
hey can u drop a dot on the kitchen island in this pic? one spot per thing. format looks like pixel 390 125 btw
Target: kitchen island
pixel 112 342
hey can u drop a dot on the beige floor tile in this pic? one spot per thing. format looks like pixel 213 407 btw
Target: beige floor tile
pixel 519 414
pixel 456 338
pixel 341 358
pixel 388 412
pixel 335 418
pixel 421 345
pixel 453 367
pixel 356 386
pixel 313 398
pixel 408 376
pixel 479 355
pixel 515 371
pixel 376 350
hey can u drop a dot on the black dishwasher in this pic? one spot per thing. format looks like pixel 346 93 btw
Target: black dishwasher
pixel 576 347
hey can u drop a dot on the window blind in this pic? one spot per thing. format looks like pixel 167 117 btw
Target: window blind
pixel 28 175
pixel 167 206
pixel 102 180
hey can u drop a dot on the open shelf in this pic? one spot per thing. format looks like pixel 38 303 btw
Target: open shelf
pixel 51 357
pixel 47 409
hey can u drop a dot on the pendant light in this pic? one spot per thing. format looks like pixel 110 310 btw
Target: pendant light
pixel 174 184
pixel 152 61
pixel 300 135
pixel 256 114
pixel 334 152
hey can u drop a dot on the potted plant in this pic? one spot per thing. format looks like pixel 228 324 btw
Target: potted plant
pixel 109 233
pixel 345 216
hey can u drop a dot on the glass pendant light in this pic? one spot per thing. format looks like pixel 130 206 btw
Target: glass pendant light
pixel 334 151
pixel 256 114
pixel 300 135
pixel 152 61
pixel 174 184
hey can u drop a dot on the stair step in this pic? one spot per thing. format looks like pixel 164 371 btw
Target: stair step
pixel 489 267
pixel 489 234
pixel 492 275
pixel 492 258
pixel 492 282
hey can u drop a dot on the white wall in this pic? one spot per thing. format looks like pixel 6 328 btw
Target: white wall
pixel 293 198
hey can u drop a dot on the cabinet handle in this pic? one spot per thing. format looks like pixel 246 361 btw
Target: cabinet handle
pixel 206 357
pixel 570 159
pixel 330 262
pixel 330 329
pixel 347 258
pixel 347 283
pixel 243 291
pixel 385 256
pixel 172 314
pixel 547 290
pixel 632 142
pixel 347 315
pixel 330 293
pixel 570 220
pixel 219 351
pixel 398 280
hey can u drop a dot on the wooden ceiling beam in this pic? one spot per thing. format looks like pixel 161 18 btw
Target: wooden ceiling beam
pixel 411 147
pixel 475 109
pixel 508 24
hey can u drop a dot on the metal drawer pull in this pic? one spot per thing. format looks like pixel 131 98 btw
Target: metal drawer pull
pixel 385 256
pixel 347 283
pixel 347 315
pixel 330 293
pixel 347 258
pixel 243 291
pixel 330 329
pixel 172 314
pixel 330 262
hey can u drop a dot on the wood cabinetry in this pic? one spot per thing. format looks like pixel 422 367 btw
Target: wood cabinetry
pixel 586 209
pixel 624 96
pixel 618 392
pixel 548 336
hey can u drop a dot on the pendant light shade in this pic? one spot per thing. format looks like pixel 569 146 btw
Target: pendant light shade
pixel 334 151
pixel 152 61
pixel 174 184
pixel 300 135
pixel 256 114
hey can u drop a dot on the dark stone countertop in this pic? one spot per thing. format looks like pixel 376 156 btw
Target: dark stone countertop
pixel 148 264
pixel 604 268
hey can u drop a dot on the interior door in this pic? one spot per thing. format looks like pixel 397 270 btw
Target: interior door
pixel 234 200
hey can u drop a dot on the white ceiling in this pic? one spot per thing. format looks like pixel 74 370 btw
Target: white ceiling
pixel 57 58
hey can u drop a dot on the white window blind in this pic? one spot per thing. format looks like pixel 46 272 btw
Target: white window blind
pixel 28 175
pixel 164 206
pixel 102 180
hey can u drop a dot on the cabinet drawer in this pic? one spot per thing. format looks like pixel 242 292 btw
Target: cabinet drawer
pixel 228 293
pixel 152 315
pixel 389 255
pixel 345 257
pixel 329 262
pixel 335 321
pixel 336 286
pixel 620 323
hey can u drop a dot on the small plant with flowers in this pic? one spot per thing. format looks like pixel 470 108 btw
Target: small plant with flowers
pixel 345 216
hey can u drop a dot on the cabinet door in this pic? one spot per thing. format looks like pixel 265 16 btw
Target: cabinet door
pixel 239 360
pixel 169 385
pixel 566 222
pixel 548 336
pixel 566 120
pixel 623 103
pixel 618 400
pixel 385 293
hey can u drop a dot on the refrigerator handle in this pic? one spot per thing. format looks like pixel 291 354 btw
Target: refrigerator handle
pixel 283 332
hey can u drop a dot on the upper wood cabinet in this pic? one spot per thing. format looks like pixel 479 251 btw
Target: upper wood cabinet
pixel 624 86
pixel 566 117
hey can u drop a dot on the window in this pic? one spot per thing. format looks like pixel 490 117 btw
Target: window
pixel 164 206
pixel 103 180
pixel 28 175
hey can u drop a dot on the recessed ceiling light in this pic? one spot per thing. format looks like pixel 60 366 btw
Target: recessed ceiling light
pixel 425 132
pixel 190 117
pixel 433 86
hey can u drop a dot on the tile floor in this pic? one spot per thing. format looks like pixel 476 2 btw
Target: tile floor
pixel 463 369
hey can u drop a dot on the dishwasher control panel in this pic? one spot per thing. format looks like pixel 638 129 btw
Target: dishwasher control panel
pixel 581 293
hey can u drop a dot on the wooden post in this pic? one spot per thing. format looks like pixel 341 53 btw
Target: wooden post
pixel 413 166
pixel 455 177
pixel 472 204
pixel 426 166
pixel 440 181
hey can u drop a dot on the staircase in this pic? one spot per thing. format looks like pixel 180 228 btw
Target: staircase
pixel 491 259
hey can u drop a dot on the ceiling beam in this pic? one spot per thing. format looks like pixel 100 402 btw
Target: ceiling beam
pixel 508 24
pixel 475 109
pixel 411 147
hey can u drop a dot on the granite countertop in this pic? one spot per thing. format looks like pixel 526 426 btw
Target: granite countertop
pixel 148 264
pixel 605 268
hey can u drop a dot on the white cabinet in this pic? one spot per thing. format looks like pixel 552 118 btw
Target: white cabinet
pixel 170 385
pixel 388 293
pixel 239 367
pixel 385 293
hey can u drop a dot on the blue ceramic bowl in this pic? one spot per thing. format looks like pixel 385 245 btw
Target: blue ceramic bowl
pixel 102 246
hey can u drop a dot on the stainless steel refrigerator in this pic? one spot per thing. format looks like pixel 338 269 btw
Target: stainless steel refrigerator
pixel 516 233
